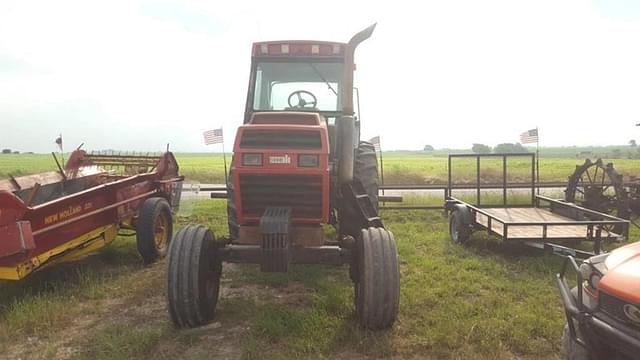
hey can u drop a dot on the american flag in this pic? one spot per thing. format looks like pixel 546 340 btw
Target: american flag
pixel 530 136
pixel 59 141
pixel 376 142
pixel 213 137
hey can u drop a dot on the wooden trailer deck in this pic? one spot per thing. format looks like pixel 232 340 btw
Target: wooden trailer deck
pixel 533 215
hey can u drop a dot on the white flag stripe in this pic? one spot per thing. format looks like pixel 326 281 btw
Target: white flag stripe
pixel 530 136
pixel 213 137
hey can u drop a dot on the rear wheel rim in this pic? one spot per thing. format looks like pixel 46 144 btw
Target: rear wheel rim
pixel 160 231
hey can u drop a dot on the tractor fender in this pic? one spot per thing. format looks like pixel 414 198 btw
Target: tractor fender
pixel 464 211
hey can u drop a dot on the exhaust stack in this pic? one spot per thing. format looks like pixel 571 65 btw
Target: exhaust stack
pixel 346 125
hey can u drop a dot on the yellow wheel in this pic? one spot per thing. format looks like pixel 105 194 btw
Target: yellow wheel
pixel 160 233
pixel 154 229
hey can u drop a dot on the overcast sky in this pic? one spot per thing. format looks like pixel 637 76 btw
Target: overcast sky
pixel 135 75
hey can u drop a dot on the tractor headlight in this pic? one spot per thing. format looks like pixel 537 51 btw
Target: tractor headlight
pixel 252 159
pixel 591 276
pixel 594 280
pixel 308 161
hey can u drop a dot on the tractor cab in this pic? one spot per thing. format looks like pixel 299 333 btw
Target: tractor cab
pixel 297 76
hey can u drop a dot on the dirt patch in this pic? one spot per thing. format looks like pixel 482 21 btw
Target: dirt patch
pixel 137 301
pixel 216 341
pixel 294 294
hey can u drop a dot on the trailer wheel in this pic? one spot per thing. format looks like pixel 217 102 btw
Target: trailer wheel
pixel 377 290
pixel 459 230
pixel 570 349
pixel 193 277
pixel 154 229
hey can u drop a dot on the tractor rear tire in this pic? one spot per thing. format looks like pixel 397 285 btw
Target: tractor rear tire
pixel 366 171
pixel 377 290
pixel 193 277
pixel 154 229
pixel 232 218
pixel 459 230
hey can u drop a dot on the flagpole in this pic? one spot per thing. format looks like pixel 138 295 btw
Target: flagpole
pixel 538 160
pixel 224 159
pixel 61 150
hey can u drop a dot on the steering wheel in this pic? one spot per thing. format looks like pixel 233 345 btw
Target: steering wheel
pixel 302 103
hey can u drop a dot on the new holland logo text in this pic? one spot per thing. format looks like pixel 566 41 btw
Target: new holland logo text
pixel 280 159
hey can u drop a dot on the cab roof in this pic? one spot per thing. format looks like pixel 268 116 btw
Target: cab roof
pixel 306 48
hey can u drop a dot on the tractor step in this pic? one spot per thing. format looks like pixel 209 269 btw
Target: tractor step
pixel 365 204
pixel 275 224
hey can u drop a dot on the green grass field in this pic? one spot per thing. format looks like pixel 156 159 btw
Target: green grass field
pixel 487 300
pixel 399 168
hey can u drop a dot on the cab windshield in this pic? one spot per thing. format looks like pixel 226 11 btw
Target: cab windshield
pixel 298 86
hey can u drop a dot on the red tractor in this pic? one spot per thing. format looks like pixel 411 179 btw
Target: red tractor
pixel 297 165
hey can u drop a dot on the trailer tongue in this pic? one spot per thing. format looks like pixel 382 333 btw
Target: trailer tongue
pixel 60 216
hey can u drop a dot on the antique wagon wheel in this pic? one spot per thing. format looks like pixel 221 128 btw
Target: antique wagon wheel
pixel 598 187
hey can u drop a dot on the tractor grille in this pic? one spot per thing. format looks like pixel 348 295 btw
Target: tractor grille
pixel 613 307
pixel 302 193
pixel 255 139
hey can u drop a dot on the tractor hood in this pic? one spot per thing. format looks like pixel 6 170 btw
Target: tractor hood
pixel 623 273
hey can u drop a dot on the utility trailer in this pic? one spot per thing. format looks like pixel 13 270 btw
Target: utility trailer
pixel 541 222
pixel 63 215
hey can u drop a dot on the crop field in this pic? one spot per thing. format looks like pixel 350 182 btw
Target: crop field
pixel 487 300
pixel 399 168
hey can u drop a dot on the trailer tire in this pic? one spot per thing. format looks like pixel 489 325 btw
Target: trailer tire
pixel 570 349
pixel 193 277
pixel 366 171
pixel 377 289
pixel 154 229
pixel 459 228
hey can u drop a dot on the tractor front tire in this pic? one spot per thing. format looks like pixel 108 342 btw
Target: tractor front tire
pixel 193 277
pixel 377 289
pixel 154 229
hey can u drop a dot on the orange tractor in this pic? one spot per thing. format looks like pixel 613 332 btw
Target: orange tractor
pixel 603 310
pixel 298 165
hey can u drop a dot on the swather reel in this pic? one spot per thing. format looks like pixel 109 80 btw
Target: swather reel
pixel 599 187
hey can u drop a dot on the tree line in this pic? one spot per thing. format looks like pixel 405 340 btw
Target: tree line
pixel 503 148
